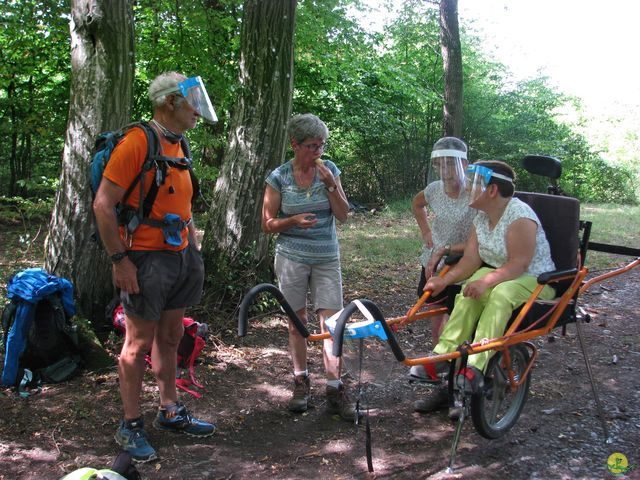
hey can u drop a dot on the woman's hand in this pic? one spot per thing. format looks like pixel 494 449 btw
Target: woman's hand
pixel 427 239
pixel 305 220
pixel 476 288
pixel 325 174
pixel 434 261
pixel 436 285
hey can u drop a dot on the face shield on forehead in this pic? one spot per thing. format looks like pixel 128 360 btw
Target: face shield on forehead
pixel 193 90
pixel 449 167
pixel 195 94
pixel 478 178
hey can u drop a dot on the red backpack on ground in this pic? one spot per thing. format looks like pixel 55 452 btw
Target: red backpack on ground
pixel 191 345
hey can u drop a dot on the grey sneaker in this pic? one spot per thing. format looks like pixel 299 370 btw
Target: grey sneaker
pixel 300 400
pixel 437 400
pixel 338 402
pixel 133 439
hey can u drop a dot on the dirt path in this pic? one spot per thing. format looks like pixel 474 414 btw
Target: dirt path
pixel 247 387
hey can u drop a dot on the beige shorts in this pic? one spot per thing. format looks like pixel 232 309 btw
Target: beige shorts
pixel 323 280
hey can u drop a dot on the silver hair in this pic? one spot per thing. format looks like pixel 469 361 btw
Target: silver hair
pixel 450 143
pixel 304 126
pixel 162 86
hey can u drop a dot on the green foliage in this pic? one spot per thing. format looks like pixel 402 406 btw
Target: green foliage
pixel 380 94
pixel 19 210
pixel 34 92
pixel 194 38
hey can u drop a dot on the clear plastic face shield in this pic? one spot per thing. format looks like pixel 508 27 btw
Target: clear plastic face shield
pixel 449 166
pixel 195 93
pixel 478 178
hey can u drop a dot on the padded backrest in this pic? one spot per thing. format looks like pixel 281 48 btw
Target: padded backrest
pixel 560 218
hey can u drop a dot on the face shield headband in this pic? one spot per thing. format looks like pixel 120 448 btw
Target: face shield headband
pixel 448 166
pixel 478 178
pixel 195 94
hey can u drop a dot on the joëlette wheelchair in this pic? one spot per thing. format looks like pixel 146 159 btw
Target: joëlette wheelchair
pixel 496 408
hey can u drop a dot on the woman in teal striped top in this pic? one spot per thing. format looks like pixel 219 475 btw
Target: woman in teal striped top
pixel 302 200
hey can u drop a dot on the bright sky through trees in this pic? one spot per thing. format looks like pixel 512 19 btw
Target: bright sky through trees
pixel 587 48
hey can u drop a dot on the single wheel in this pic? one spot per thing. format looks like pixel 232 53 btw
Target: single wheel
pixel 497 407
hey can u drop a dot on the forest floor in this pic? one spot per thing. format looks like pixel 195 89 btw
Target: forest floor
pixel 247 385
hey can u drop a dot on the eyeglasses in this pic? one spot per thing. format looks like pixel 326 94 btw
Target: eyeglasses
pixel 314 147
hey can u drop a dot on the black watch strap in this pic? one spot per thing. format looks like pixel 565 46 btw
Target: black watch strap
pixel 118 256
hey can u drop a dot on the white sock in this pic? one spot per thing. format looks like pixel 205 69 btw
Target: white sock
pixel 334 383
pixel 304 373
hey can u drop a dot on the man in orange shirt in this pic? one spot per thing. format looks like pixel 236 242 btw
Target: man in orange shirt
pixel 157 264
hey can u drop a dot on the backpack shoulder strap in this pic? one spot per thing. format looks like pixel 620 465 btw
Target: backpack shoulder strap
pixel 194 180
pixel 153 151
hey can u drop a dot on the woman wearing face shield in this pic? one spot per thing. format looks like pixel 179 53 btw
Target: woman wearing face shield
pixel 506 251
pixel 448 228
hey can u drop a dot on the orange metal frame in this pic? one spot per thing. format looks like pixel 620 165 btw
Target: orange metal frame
pixel 512 336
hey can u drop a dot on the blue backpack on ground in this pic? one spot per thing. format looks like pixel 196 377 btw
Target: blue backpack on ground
pixel 40 341
pixel 127 215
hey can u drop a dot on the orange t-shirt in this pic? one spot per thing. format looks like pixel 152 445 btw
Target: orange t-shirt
pixel 124 166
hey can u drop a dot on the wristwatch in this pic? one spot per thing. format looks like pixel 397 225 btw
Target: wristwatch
pixel 331 189
pixel 118 256
pixel 447 249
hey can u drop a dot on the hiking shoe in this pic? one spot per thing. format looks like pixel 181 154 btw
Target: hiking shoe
pixel 429 373
pixel 438 399
pixel 470 380
pixel 300 400
pixel 338 402
pixel 133 439
pixel 176 418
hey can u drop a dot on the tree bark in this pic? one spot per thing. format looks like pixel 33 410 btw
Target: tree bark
pixel 236 253
pixel 452 63
pixel 102 69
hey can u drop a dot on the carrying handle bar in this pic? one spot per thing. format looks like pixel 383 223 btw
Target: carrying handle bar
pixel 341 322
pixel 243 313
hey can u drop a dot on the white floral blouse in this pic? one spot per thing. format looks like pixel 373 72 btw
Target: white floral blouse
pixel 492 244
pixel 453 218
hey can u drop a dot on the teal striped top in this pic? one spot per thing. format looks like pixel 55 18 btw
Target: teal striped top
pixel 318 244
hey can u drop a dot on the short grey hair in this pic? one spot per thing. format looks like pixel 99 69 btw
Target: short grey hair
pixel 163 85
pixel 450 143
pixel 306 125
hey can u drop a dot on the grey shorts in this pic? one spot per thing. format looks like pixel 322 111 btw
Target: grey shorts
pixel 323 280
pixel 168 280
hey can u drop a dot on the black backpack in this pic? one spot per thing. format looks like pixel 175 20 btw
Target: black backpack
pixel 48 352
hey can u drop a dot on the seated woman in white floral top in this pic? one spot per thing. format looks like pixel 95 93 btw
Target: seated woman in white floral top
pixel 508 236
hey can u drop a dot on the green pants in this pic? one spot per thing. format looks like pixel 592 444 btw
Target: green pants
pixel 488 315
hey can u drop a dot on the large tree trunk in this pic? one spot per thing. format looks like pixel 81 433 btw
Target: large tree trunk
pixel 452 63
pixel 236 252
pixel 102 69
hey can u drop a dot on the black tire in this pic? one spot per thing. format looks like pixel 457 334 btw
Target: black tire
pixel 497 408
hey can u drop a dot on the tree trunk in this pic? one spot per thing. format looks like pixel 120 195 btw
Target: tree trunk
pixel 452 63
pixel 236 253
pixel 102 69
